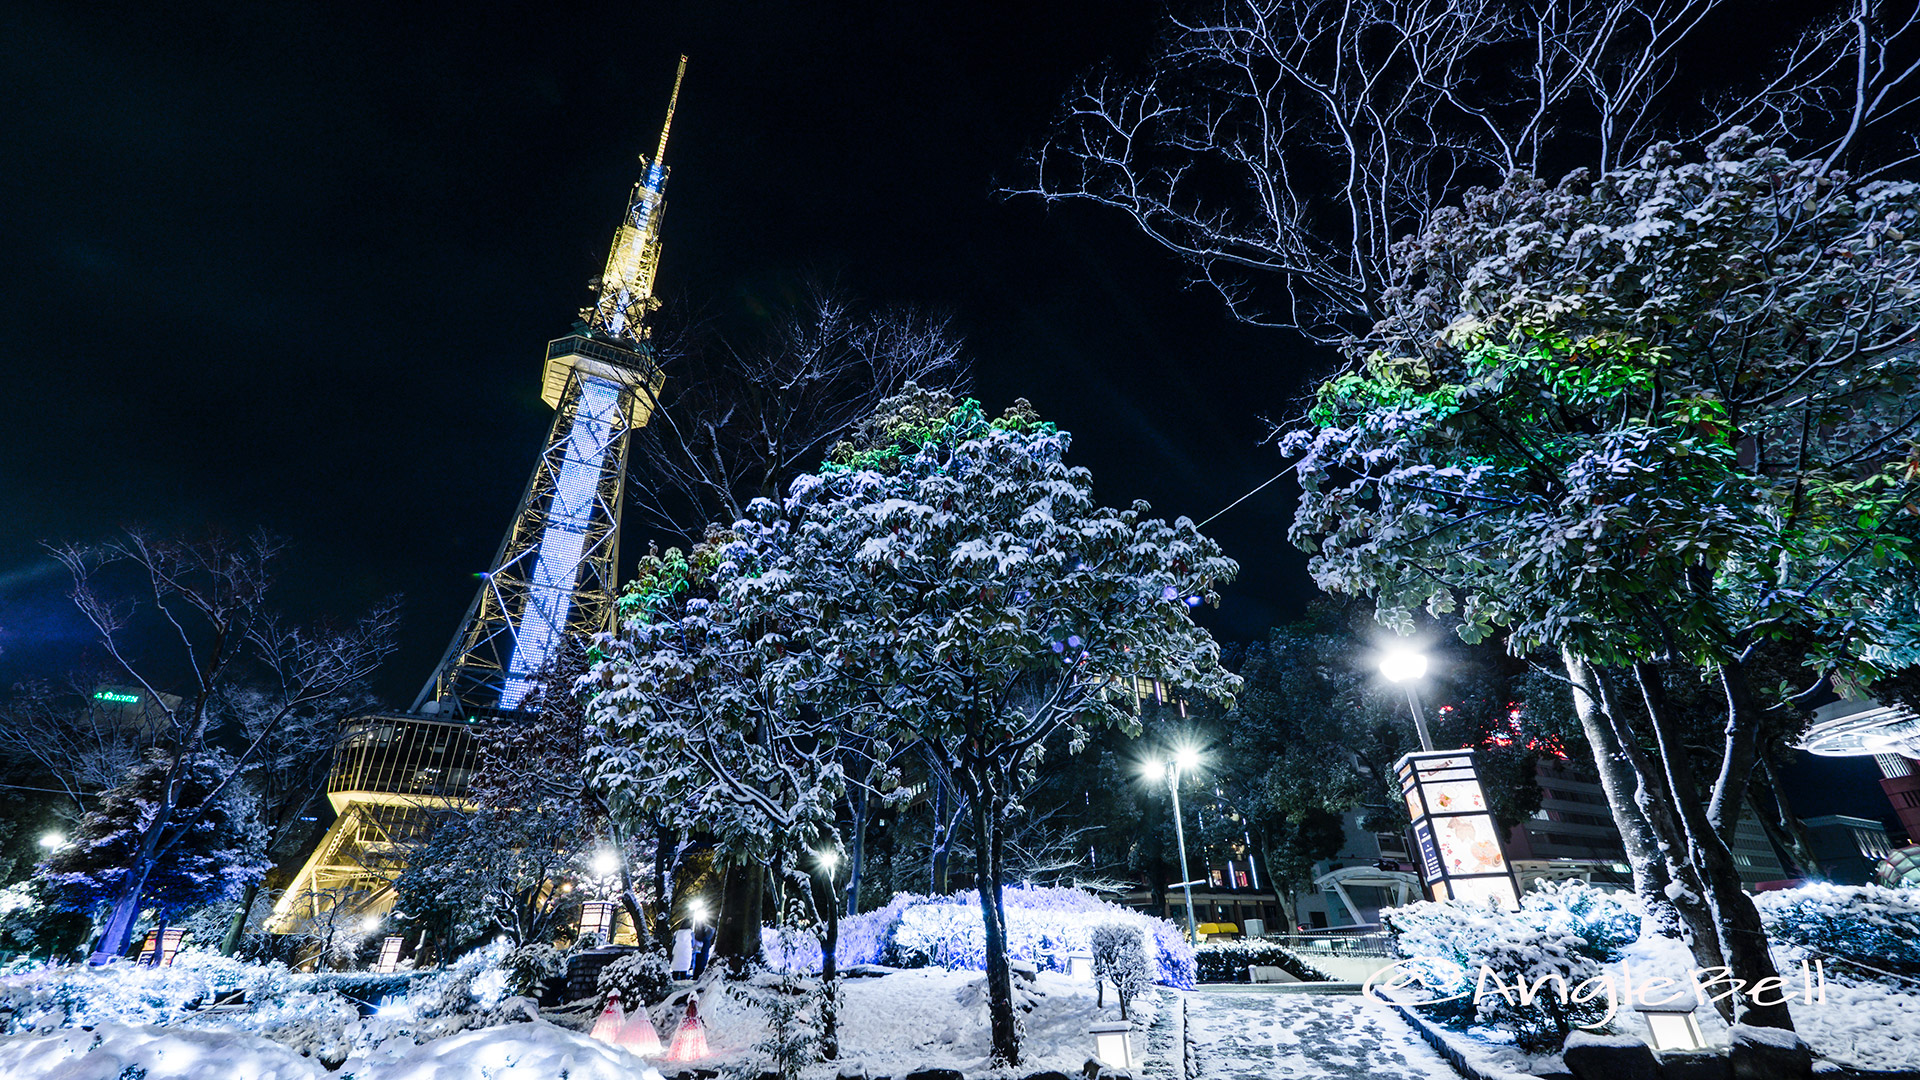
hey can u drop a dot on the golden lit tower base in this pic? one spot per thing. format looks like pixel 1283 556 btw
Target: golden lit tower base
pixel 553 578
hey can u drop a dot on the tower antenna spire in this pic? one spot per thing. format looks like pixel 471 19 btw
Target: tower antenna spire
pixel 626 286
pixel 660 155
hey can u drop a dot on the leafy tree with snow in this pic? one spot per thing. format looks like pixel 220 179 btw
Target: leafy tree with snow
pixel 216 859
pixel 1662 416
pixel 691 733
pixel 950 576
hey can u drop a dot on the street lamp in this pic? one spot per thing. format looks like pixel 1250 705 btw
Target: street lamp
pixel 1406 666
pixel 52 841
pixel 1185 759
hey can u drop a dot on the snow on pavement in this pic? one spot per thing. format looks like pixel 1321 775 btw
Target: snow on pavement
pixel 1247 1036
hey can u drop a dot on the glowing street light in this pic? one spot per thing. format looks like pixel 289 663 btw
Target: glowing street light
pixel 606 862
pixel 829 861
pixel 1185 759
pixel 53 841
pixel 1407 666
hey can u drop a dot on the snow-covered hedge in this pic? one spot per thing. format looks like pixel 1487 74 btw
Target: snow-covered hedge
pixel 316 1016
pixel 1562 934
pixel 1875 925
pixel 1044 926
pixel 1227 961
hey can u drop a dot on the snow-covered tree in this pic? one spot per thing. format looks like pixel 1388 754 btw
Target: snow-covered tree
pixel 1280 148
pixel 1659 417
pixel 207 601
pixel 215 859
pixel 950 577
pixel 693 735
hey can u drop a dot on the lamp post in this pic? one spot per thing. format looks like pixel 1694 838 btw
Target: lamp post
pixel 1183 759
pixel 1460 847
pixel 1405 666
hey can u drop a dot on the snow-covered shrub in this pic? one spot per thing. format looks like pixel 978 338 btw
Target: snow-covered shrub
pixel 1523 966
pixel 862 940
pixel 529 966
pixel 1044 927
pixel 640 978
pixel 121 992
pixel 312 1025
pixel 1876 925
pixel 1227 961
pixel 1120 957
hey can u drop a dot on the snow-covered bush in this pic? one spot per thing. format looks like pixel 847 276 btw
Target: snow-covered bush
pixel 1120 957
pixel 1044 926
pixel 529 966
pixel 862 940
pixel 1227 961
pixel 69 995
pixel 1876 925
pixel 1523 964
pixel 640 978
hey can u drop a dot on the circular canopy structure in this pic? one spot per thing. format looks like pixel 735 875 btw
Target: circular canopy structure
pixel 1862 729
pixel 1900 870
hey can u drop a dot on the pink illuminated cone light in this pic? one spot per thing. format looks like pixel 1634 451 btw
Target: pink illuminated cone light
pixel 690 1040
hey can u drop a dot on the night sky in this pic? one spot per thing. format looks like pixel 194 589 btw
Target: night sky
pixel 294 266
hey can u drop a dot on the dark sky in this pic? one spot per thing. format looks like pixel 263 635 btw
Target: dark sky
pixel 294 265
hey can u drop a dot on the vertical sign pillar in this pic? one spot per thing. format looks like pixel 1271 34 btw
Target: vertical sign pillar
pixel 1459 844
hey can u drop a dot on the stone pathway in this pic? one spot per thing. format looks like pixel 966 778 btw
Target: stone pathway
pixel 1305 1037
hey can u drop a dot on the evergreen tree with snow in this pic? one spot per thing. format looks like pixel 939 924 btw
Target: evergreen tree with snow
pixel 217 858
pixel 950 576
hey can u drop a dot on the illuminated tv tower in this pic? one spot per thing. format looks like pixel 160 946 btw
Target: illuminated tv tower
pixel 554 577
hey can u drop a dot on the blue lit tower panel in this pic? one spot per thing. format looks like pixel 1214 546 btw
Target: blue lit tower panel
pixel 553 578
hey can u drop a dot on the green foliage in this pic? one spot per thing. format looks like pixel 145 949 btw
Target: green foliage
pixel 1657 414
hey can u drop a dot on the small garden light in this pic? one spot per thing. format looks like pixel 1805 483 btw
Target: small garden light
pixel 1080 964
pixel 1112 1043
pixel 1672 1027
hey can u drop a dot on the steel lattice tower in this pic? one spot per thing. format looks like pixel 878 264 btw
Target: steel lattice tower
pixel 554 577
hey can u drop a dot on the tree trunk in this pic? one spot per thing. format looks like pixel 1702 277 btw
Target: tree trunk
pixel 856 847
pixel 238 925
pixel 1619 781
pixel 743 898
pixel 1783 826
pixel 118 931
pixel 825 902
pixel 1743 940
pixel 942 836
pixel 1006 1040
pixel 666 857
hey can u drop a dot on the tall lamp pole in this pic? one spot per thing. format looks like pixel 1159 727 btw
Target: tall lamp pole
pixel 1183 759
pixel 1405 666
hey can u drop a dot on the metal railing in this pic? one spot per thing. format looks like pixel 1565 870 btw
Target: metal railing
pixel 1374 944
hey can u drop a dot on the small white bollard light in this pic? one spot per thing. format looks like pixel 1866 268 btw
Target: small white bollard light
pixel 1112 1044
pixel 1672 1027
pixel 1080 966
pixel 389 954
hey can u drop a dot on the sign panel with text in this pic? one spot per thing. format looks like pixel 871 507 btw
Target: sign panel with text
pixel 1461 854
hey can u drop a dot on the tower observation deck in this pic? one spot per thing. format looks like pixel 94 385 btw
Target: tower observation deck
pixel 552 578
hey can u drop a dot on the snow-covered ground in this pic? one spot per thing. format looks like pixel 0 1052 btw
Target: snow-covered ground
pixel 1249 1036
pixel 889 1025
pixel 1868 1025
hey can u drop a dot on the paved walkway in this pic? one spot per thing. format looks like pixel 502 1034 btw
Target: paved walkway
pixel 1306 1037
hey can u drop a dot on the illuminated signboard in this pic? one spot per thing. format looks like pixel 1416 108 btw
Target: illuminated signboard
pixel 115 697
pixel 1461 854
